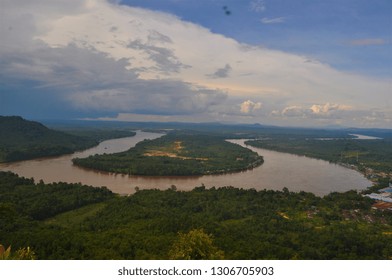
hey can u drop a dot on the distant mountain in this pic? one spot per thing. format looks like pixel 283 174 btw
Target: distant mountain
pixel 21 139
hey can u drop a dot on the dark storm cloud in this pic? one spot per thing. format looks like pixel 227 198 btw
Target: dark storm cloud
pixel 88 81
pixel 221 72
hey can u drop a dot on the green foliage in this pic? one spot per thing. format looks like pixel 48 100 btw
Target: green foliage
pixel 195 245
pixel 21 254
pixel 5 254
pixel 40 201
pixel 244 224
pixel 21 139
pixel 376 154
pixel 176 154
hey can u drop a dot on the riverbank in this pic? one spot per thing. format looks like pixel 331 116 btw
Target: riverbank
pixel 370 156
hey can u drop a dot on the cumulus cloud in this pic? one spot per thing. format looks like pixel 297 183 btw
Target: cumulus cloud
pixel 248 106
pixel 294 111
pixel 328 108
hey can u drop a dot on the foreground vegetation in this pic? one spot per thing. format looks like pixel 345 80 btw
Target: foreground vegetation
pixel 72 221
pixel 20 254
pixel 177 153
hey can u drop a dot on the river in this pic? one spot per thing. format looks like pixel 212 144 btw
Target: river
pixel 279 170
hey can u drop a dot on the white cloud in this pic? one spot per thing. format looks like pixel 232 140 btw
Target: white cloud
pixel 332 114
pixel 328 108
pixel 248 106
pixel 258 6
pixel 294 111
pixel 266 20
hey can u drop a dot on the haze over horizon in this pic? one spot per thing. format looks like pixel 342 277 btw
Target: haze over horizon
pixel 275 62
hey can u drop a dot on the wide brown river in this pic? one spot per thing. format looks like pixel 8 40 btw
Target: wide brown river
pixel 279 170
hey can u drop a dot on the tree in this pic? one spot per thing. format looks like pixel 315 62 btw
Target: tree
pixel 195 245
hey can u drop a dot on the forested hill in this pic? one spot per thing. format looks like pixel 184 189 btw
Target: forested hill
pixel 21 139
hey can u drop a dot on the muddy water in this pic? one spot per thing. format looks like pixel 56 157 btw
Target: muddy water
pixel 279 170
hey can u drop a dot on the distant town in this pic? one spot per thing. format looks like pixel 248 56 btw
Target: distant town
pixel 383 198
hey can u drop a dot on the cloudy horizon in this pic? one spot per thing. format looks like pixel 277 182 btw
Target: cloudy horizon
pixel 170 61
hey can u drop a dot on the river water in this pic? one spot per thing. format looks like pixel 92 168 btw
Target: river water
pixel 279 170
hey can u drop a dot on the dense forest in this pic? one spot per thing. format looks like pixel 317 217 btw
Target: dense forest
pixel 375 154
pixel 73 221
pixel 177 153
pixel 21 139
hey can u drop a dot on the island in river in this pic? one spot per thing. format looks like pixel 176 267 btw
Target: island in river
pixel 176 154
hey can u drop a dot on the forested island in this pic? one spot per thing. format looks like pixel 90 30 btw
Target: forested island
pixel 22 139
pixel 74 221
pixel 179 153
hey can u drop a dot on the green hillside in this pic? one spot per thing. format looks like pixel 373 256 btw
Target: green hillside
pixel 21 139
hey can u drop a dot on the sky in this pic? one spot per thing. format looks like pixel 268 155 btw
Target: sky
pixel 309 63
